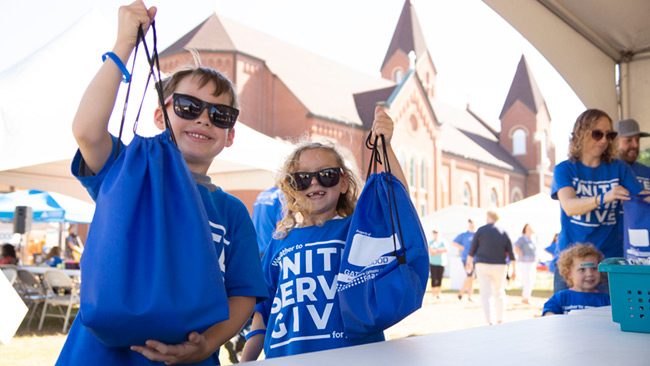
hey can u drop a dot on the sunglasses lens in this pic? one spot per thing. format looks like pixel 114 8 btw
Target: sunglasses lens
pixel 300 181
pixel 186 107
pixel 328 177
pixel 597 135
pixel 611 135
pixel 223 117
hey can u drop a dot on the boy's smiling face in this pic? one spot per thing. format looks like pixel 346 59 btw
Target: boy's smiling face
pixel 198 139
pixel 584 274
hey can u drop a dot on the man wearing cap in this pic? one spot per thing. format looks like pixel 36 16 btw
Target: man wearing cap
pixel 628 149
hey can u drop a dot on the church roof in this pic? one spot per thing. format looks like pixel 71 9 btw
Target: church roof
pixel 524 88
pixel 407 36
pixel 324 87
pixel 466 136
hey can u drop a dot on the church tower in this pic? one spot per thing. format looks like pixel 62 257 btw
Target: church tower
pixel 526 130
pixel 406 48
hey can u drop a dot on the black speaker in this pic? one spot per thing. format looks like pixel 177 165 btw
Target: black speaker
pixel 22 219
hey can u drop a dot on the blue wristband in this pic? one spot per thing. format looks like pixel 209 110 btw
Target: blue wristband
pixel 255 332
pixel 126 77
pixel 602 197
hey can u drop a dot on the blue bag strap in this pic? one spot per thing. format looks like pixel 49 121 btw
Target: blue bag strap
pixel 153 60
pixel 392 201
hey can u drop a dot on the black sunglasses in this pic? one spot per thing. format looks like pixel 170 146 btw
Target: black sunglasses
pixel 597 135
pixel 189 107
pixel 328 177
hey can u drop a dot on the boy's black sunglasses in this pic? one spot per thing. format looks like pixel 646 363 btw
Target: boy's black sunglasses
pixel 328 177
pixel 597 135
pixel 189 107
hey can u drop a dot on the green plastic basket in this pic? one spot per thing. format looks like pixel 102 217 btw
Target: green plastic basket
pixel 629 290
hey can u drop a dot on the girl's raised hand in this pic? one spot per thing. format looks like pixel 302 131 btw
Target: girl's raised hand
pixel 130 18
pixel 382 125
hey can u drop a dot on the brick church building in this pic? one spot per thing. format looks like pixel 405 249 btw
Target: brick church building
pixel 450 156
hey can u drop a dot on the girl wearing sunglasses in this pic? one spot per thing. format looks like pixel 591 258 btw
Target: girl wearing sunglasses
pixel 301 263
pixel 590 186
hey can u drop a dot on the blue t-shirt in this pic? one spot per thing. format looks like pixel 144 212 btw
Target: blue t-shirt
pixel 267 211
pixel 303 314
pixel 642 174
pixel 566 300
pixel 236 244
pixel 438 259
pixel 599 227
pixel 465 239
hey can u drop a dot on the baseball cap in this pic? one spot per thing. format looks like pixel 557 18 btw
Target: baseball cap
pixel 629 127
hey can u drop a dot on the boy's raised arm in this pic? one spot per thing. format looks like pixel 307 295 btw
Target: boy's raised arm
pixel 90 124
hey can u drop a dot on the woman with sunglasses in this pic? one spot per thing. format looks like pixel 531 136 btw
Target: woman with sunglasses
pixel 590 186
pixel 301 263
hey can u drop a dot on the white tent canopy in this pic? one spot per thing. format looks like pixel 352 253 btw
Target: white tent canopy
pixel 594 45
pixel 39 97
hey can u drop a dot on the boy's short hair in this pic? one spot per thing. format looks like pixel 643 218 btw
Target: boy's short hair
pixel 568 256
pixel 204 75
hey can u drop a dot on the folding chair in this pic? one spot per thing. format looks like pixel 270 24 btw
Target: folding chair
pixel 11 274
pixel 31 291
pixel 60 293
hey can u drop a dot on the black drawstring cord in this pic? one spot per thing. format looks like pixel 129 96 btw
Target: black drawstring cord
pixel 374 159
pixel 152 59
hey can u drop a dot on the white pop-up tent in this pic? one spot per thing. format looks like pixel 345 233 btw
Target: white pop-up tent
pixel 39 97
pixel 600 47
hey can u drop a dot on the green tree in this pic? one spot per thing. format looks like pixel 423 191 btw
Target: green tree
pixel 644 157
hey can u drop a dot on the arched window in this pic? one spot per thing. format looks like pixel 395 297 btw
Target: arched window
pixel 516 196
pixel 519 142
pixel 467 195
pixel 423 209
pixel 494 198
pixel 413 170
pixel 423 174
pixel 399 76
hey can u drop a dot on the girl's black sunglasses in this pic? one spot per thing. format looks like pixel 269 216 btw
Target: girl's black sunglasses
pixel 328 177
pixel 189 107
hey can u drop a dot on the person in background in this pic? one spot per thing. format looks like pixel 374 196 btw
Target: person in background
pixel 463 242
pixel 590 186
pixel 267 212
pixel 526 254
pixel 578 266
pixel 437 262
pixel 53 257
pixel 550 249
pixel 629 138
pixel 8 255
pixel 73 245
pixel 491 246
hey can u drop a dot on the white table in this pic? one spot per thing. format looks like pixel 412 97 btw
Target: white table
pixel 589 338
pixel 40 270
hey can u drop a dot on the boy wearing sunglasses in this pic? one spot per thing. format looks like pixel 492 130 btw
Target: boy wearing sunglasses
pixel 202 108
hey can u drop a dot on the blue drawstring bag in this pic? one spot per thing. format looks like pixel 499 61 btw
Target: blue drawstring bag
pixel 385 265
pixel 150 268
pixel 636 221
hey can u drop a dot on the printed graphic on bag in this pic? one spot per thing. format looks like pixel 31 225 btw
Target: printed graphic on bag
pixel 367 252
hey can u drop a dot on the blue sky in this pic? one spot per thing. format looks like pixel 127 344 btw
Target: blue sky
pixel 474 50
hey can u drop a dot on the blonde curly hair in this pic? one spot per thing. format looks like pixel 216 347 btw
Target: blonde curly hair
pixel 582 133
pixel 295 205
pixel 569 256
